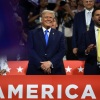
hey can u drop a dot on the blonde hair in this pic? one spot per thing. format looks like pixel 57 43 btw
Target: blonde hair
pixel 48 11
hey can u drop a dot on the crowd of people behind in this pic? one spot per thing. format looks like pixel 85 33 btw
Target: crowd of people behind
pixel 19 17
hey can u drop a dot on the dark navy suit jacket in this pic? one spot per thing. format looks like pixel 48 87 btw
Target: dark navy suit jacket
pixel 91 67
pixel 39 52
pixel 79 27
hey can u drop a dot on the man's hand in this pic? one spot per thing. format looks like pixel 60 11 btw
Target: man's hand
pixel 2 71
pixel 46 66
pixel 75 51
pixel 48 70
pixel 89 48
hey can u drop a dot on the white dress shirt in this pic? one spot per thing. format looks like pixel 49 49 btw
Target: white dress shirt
pixel 46 29
pixel 88 16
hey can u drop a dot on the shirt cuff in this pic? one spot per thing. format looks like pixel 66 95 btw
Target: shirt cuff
pixel 51 65
pixel 86 53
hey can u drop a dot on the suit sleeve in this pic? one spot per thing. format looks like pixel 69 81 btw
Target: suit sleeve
pixel 82 48
pixel 58 57
pixel 33 56
pixel 75 33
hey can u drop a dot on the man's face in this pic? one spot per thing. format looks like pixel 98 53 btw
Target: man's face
pixel 96 18
pixel 89 4
pixel 47 20
pixel 54 24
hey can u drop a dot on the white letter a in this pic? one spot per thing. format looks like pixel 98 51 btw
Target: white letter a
pixel 1 93
pixel 88 92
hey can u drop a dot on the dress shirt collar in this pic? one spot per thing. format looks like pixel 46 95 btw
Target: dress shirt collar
pixel 46 29
pixel 89 10
pixel 96 28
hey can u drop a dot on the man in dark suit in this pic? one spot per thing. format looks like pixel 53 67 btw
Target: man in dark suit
pixel 91 44
pixel 82 23
pixel 46 57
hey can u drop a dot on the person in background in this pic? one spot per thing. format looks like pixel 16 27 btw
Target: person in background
pixel 82 23
pixel 3 65
pixel 66 26
pixel 46 48
pixel 54 23
pixel 35 20
pixel 97 3
pixel 92 46
pixel 80 6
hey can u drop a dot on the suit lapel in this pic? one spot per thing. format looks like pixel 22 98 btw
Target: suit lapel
pixel 84 20
pixel 51 38
pixel 41 34
pixel 93 40
pixel 91 24
pixel 92 36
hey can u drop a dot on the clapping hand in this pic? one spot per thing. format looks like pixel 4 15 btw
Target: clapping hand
pixel 90 48
pixel 2 71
